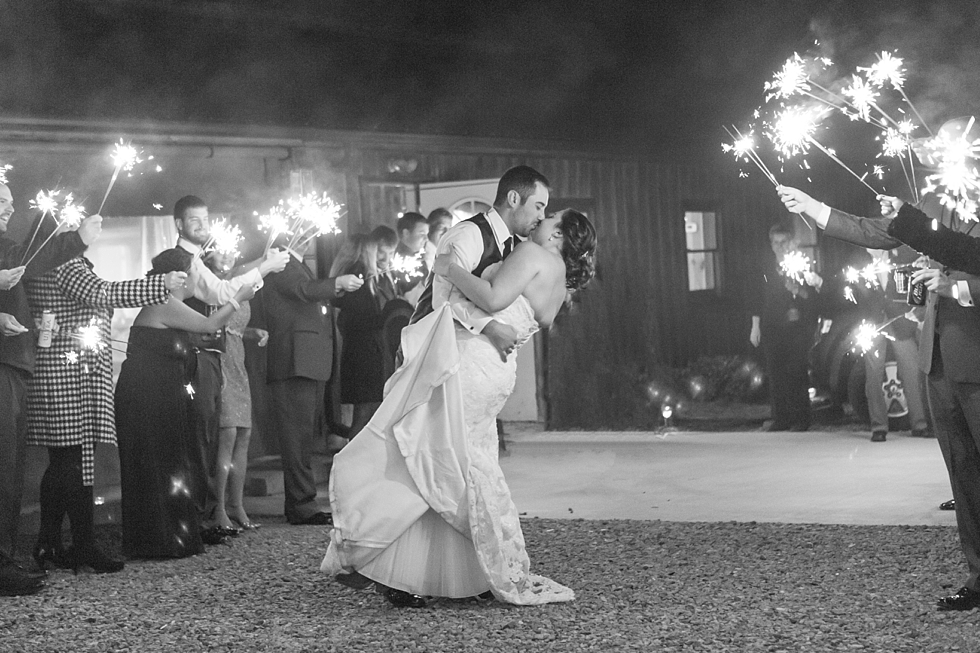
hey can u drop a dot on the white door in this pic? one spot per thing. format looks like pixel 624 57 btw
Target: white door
pixel 465 199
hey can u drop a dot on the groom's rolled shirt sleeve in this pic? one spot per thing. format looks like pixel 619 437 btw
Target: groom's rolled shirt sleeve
pixel 465 242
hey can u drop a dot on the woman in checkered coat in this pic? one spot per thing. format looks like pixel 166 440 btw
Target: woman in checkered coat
pixel 70 399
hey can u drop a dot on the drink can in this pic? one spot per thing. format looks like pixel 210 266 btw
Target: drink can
pixel 47 328
pixel 917 294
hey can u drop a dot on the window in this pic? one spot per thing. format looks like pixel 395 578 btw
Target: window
pixel 703 256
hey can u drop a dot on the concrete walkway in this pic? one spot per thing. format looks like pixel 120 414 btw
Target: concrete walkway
pixel 813 477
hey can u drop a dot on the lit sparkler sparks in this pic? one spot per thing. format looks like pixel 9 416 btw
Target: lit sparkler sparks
pixel 889 69
pixel 4 169
pixel 124 157
pixel 867 334
pixel 956 180
pixel 791 79
pixel 863 98
pixel 792 131
pixel 90 336
pixel 303 219
pixel 69 214
pixel 224 239
pixel 45 202
pixel 190 390
pixel 796 266
pixel 743 147
pixel 409 267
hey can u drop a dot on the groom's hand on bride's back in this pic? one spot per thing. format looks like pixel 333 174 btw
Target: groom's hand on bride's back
pixel 503 336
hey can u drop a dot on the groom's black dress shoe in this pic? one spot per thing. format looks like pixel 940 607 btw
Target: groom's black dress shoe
pixel 965 599
pixel 401 599
pixel 948 505
pixel 316 519
pixel 354 580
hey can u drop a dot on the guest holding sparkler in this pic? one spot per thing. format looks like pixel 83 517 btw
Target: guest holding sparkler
pixel 17 358
pixel 784 322
pixel 949 354
pixel 235 429
pixel 362 366
pixel 69 398
pixel 155 417
pixel 300 356
pixel 885 305
pixel 194 226
pixel 411 271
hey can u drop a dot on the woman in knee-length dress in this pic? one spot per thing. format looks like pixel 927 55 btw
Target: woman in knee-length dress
pixel 420 503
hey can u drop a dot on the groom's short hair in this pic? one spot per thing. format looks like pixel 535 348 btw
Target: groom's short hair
pixel 523 179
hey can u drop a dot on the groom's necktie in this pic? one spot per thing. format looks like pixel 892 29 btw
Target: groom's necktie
pixel 508 246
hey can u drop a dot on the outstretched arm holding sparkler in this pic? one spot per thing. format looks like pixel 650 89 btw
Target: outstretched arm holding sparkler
pixel 940 243
pixel 864 232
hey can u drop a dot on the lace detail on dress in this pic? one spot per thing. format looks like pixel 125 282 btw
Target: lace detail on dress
pixel 495 525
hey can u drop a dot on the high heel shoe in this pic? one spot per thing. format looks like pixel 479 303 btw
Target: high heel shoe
pixel 246 525
pixel 45 554
pixel 92 557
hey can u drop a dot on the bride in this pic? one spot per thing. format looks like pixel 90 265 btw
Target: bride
pixel 420 504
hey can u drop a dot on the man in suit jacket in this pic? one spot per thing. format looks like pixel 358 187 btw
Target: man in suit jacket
pixel 949 353
pixel 300 358
pixel 484 239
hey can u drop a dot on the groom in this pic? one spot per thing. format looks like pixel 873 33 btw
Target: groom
pixel 485 239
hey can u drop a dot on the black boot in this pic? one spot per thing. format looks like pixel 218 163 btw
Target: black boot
pixel 84 553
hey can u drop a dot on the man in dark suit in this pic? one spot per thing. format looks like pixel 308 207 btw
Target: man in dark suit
pixel 949 354
pixel 484 239
pixel 783 322
pixel 300 358
pixel 18 336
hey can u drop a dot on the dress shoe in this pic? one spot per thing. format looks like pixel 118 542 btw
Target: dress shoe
pixel 214 536
pixel 401 599
pixel 354 580
pixel 316 519
pixel 878 436
pixel 89 556
pixel 948 505
pixel 965 599
pixel 46 554
pixel 14 581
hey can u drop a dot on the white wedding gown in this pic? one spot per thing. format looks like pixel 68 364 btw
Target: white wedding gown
pixel 419 500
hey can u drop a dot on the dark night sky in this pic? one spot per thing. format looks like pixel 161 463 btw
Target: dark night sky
pixel 646 76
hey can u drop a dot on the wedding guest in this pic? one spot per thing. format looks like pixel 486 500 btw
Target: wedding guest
pixel 300 356
pixel 887 306
pixel 784 323
pixel 439 220
pixel 154 401
pixel 413 233
pixel 193 224
pixel 362 354
pixel 949 354
pixel 17 356
pixel 69 398
pixel 235 430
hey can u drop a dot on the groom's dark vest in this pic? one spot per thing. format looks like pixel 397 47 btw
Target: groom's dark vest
pixel 490 256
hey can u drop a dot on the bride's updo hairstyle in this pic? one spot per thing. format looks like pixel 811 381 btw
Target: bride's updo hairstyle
pixel 172 260
pixel 578 248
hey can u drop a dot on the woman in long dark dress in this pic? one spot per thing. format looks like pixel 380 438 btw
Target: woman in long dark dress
pixel 362 376
pixel 154 403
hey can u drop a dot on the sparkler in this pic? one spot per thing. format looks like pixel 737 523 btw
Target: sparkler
pixel 45 203
pixel 408 266
pixel 303 219
pixel 796 266
pixel 224 239
pixel 70 214
pixel 956 180
pixel 866 334
pixel 4 169
pixel 124 157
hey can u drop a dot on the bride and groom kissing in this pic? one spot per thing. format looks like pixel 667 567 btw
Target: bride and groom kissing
pixel 420 504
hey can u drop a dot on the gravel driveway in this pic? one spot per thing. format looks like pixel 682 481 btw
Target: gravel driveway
pixel 641 586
